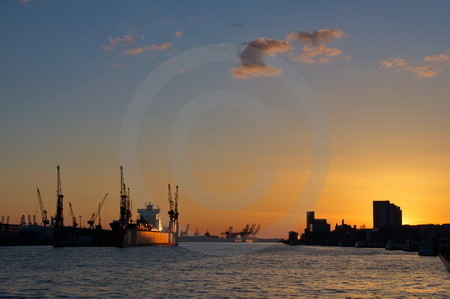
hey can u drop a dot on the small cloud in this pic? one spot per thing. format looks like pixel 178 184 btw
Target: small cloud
pixel 438 57
pixel 252 58
pixel 151 47
pixel 113 42
pixel 424 71
pixel 400 63
pixel 317 37
pixel 246 71
pixel 394 62
pixel 315 49
pixel 178 34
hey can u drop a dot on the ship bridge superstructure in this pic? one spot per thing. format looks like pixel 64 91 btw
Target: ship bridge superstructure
pixel 149 215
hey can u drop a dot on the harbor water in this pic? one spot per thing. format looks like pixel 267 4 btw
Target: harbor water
pixel 233 270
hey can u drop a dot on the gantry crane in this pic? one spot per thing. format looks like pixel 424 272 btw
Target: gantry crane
pixel 45 221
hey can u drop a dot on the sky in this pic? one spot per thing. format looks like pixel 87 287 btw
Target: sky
pixel 258 110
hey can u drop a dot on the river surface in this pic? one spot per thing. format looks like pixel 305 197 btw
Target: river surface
pixel 223 270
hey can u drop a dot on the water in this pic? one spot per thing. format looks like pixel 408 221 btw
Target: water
pixel 220 270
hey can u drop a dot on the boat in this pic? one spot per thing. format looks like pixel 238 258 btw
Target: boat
pixel 428 248
pixel 411 246
pixel 393 245
pixel 147 231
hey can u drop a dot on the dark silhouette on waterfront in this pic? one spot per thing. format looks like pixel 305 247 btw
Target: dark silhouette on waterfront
pixel 125 232
pixel 386 214
pixel 388 232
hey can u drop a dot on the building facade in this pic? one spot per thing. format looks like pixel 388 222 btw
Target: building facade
pixel 314 225
pixel 386 215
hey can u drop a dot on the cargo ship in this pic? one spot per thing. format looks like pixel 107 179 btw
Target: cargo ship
pixel 146 231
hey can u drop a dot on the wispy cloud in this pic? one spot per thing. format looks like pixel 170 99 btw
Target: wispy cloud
pixel 433 65
pixel 251 58
pixel 438 58
pixel 113 42
pixel 315 49
pixel 151 47
pixel 420 71
pixel 179 34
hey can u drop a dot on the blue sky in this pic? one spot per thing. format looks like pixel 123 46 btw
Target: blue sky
pixel 67 83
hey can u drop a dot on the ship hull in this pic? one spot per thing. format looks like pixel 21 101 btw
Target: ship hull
pixel 136 238
pixel 73 237
pixel 129 237
pixel 84 237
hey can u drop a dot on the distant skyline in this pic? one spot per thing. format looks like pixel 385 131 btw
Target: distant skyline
pixel 258 110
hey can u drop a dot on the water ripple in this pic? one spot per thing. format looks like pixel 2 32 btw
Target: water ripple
pixel 215 270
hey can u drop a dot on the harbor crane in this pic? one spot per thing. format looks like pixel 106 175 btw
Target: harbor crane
pixel 186 232
pixel 94 216
pixel 176 214
pixel 45 221
pixel 173 210
pixel 59 218
pixel 125 209
pixel 72 216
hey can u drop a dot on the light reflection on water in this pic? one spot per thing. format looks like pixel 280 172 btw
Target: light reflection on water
pixel 220 270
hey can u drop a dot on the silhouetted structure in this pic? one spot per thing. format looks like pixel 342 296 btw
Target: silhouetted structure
pixel 386 215
pixel 317 231
pixel 316 225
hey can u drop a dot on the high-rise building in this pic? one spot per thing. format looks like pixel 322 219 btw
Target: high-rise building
pixel 386 215
pixel 314 225
pixel 309 221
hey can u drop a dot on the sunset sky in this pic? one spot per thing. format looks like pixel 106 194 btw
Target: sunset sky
pixel 258 110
